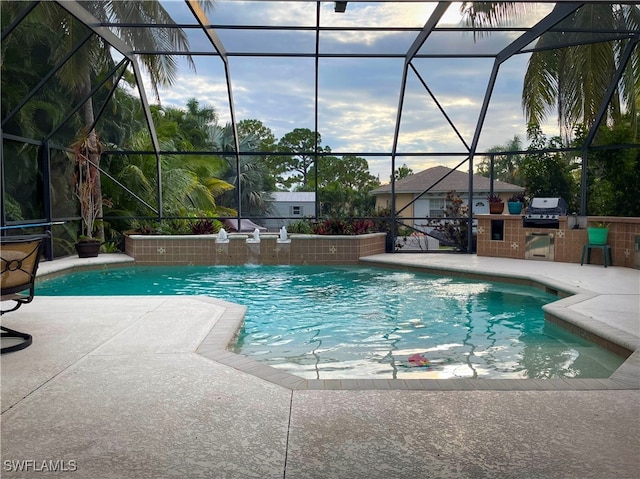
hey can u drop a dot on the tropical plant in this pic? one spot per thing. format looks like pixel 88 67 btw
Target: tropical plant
pixel 599 224
pixel 573 80
pixel 454 226
pixel 206 227
pixel 344 226
pixel 95 58
pixel 303 226
pixel 494 199
pixel 84 181
pixel 517 198
pixel 191 183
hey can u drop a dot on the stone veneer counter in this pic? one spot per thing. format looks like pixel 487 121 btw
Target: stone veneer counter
pixel 504 236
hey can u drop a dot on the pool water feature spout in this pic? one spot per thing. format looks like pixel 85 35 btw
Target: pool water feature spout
pixel 255 237
pixel 283 236
pixel 222 236
pixel 253 247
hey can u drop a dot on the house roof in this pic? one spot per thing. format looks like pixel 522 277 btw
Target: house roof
pixel 457 180
pixel 293 196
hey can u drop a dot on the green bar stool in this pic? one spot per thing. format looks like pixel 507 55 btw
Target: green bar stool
pixel 607 256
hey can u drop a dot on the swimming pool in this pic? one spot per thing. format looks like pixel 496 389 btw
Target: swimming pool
pixel 367 322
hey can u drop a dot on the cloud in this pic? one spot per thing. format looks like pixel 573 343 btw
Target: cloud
pixel 357 97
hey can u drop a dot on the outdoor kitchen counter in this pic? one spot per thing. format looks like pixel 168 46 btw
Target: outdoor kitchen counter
pixel 504 236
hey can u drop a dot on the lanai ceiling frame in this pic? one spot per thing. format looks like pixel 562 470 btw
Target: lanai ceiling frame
pixel 552 18
pixel 93 28
pixel 523 44
pixel 83 15
pixel 559 13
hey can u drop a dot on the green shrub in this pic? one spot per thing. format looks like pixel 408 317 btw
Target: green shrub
pixel 303 227
pixel 206 227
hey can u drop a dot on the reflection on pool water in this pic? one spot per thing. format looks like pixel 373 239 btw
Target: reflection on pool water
pixel 361 322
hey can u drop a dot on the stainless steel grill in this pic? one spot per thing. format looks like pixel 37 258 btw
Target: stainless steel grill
pixel 544 213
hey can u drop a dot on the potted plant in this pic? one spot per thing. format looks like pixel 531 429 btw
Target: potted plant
pixel 84 180
pixel 515 203
pixel 496 205
pixel 598 232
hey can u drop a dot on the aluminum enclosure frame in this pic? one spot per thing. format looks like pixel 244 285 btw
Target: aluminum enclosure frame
pixel 561 10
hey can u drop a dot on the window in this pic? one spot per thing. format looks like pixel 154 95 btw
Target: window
pixel 436 208
pixel 295 210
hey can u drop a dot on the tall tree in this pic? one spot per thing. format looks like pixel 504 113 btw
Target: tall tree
pixel 344 185
pixel 401 172
pixel 549 174
pixel 573 80
pixel 613 176
pixel 489 14
pixel 195 123
pixel 261 135
pixel 264 141
pixel 351 172
pixel 296 169
pixel 505 167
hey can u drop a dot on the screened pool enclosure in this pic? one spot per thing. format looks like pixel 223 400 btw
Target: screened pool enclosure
pixel 398 83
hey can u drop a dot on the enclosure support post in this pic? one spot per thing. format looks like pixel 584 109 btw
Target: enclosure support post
pixel 45 167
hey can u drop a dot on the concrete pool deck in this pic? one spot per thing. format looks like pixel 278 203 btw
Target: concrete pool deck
pixel 114 387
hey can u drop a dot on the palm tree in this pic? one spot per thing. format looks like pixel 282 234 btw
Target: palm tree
pixel 191 182
pixel 95 57
pixel 575 79
pixel 572 81
pixel 253 176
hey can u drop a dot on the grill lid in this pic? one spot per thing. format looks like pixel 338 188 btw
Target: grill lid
pixel 545 203
pixel 556 206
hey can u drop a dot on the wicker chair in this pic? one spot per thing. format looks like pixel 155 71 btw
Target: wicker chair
pixel 19 260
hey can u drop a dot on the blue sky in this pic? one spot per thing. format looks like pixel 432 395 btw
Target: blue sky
pixel 358 98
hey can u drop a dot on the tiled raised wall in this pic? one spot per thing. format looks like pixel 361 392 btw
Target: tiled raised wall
pixel 203 249
pixel 568 243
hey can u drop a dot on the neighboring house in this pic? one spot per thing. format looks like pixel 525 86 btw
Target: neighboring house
pixel 290 204
pixel 432 203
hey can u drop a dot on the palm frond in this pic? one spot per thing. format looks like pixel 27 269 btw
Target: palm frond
pixel 540 88
pixel 217 187
pixel 490 14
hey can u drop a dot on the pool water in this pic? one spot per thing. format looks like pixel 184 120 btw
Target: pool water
pixel 363 322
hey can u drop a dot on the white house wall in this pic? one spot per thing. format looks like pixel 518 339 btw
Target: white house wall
pixel 285 209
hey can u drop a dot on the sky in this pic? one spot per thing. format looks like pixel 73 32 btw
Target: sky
pixel 358 98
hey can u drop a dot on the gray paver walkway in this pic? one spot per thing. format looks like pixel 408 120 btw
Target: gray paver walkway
pixel 104 391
